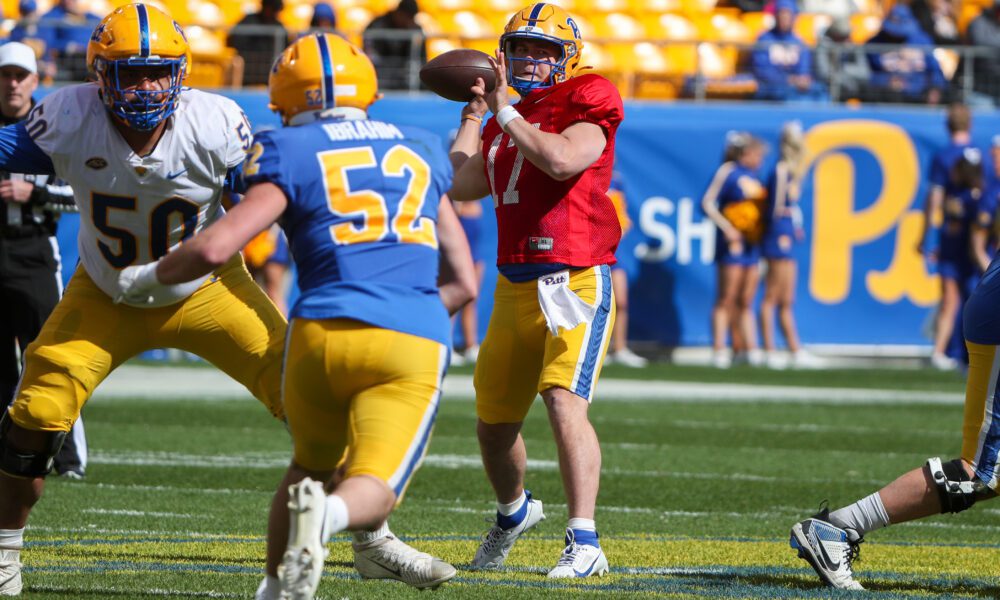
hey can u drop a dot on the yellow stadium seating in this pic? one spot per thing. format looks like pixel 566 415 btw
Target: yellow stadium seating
pixel 589 7
pixel 465 23
pixel 948 61
pixel 438 45
pixel 968 12
pixel 670 26
pixel 617 26
pixel 213 64
pixel 717 61
pixel 653 7
pixel 444 6
pixel 863 27
pixel 697 7
pixel 354 19
pixel 207 14
pixel 758 22
pixel 810 27
pixel 726 27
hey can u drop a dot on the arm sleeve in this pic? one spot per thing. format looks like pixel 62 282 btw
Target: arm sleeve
pixel 20 154
pixel 598 102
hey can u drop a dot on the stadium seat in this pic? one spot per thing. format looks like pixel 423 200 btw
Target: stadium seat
pixel 810 27
pixel 445 6
pixel 757 23
pixel 207 14
pixel 212 63
pixel 466 24
pixel 353 19
pixel 438 45
pixel 592 7
pixel 504 6
pixel 617 26
pixel 655 7
pixel 725 27
pixel 697 7
pixel 968 12
pixel 597 59
pixel 863 27
pixel 717 61
pixel 947 60
pixel 296 17
pixel 671 27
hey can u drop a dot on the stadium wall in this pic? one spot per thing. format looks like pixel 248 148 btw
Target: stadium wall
pixel 861 280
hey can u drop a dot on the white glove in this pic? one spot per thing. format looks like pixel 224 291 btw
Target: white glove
pixel 136 284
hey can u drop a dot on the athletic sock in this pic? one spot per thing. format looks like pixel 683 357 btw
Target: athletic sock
pixel 12 539
pixel 336 518
pixel 584 531
pixel 867 514
pixel 510 515
pixel 367 537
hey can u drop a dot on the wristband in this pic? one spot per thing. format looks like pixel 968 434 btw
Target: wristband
pixel 506 115
pixel 146 277
pixel 471 117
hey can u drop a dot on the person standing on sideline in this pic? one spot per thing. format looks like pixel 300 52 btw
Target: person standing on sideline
pixel 30 265
pixel 734 201
pixel 959 124
pixel 782 230
pixel 549 165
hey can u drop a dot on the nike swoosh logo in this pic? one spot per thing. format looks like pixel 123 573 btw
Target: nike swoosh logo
pixel 833 564
pixel 177 174
pixel 587 571
pixel 397 571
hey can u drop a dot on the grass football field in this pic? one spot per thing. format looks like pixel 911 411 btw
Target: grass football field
pixel 697 493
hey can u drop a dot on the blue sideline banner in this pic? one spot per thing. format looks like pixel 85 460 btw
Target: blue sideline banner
pixel 861 280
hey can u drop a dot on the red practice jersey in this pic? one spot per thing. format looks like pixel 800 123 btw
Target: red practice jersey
pixel 539 219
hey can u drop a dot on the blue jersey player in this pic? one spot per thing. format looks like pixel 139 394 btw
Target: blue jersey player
pixel 362 203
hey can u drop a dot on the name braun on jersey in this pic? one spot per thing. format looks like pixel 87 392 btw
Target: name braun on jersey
pixel 362 130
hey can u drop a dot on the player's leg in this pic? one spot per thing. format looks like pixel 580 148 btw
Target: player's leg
pixel 232 324
pixel 392 383
pixel 572 367
pixel 506 382
pixel 945 323
pixel 83 340
pixel 829 540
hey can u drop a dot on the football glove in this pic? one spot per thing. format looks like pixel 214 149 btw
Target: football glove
pixel 136 284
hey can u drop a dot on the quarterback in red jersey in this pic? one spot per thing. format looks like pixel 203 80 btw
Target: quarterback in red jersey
pixel 547 163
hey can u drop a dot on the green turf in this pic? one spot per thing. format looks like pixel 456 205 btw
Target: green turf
pixel 696 500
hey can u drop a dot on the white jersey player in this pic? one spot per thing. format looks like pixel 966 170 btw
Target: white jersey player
pixel 148 163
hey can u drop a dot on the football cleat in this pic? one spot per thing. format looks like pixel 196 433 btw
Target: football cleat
pixel 545 22
pixel 498 541
pixel 580 560
pixel 627 358
pixel 139 38
pixel 943 363
pixel 302 565
pixel 391 558
pixel 830 550
pixel 302 84
pixel 10 572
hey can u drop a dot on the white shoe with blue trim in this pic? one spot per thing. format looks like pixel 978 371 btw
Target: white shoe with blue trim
pixel 829 549
pixel 498 541
pixel 10 572
pixel 579 560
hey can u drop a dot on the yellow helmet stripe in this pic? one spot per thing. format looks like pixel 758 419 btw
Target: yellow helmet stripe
pixel 329 98
pixel 143 29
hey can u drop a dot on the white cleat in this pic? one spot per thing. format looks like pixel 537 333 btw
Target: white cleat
pixel 830 551
pixel 391 558
pixel 472 354
pixel 302 565
pixel 10 572
pixel 627 358
pixel 721 360
pixel 498 541
pixel 579 560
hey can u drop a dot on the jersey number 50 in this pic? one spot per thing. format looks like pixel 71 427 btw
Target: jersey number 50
pixel 160 220
pixel 379 216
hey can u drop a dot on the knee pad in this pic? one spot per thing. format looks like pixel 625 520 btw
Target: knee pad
pixel 956 490
pixel 19 462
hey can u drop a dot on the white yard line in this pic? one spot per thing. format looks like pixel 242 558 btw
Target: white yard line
pixel 170 383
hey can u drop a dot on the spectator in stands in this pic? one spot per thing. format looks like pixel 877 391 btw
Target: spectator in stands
pixel 984 31
pixel 324 18
pixel 66 31
pixel 389 42
pixel 259 38
pixel 734 201
pixel 842 66
pixel 943 186
pixel 904 74
pixel 782 63
pixel 937 19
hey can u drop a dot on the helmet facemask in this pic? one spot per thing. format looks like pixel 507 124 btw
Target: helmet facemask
pixel 141 110
pixel 557 74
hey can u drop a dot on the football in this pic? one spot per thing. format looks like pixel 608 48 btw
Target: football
pixel 450 75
